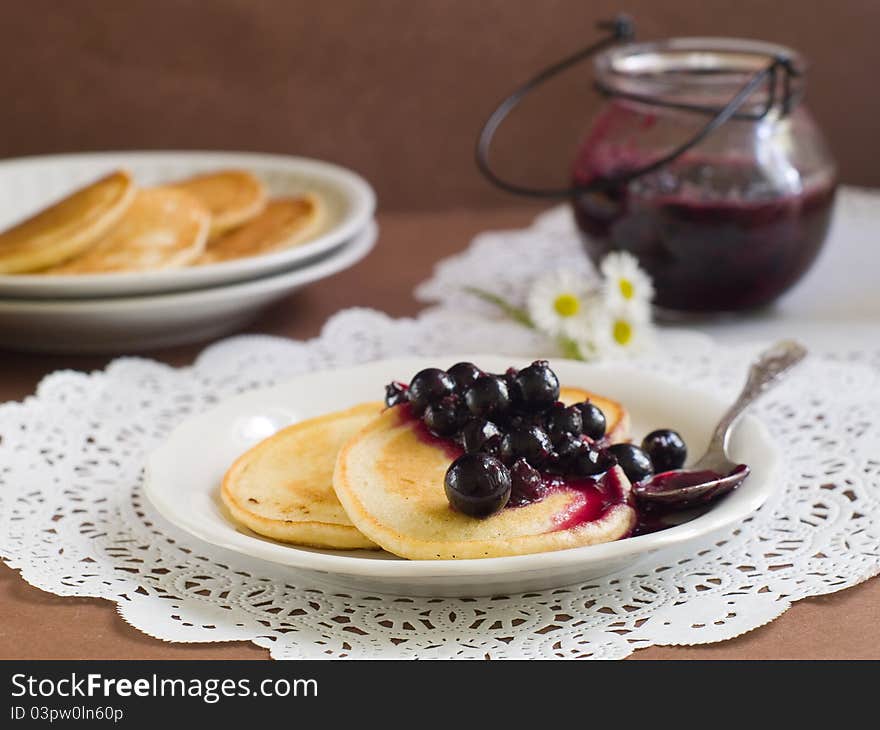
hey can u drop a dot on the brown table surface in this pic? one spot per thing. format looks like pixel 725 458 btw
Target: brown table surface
pixel 38 625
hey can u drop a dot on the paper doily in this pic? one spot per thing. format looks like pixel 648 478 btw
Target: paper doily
pixel 74 521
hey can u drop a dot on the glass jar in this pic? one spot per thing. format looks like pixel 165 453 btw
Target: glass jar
pixel 740 216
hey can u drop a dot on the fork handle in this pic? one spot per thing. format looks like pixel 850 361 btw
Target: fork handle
pixel 764 373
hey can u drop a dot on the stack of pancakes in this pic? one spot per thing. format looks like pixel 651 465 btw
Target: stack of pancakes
pixel 112 225
pixel 364 478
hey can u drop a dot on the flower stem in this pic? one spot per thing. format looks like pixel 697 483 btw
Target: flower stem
pixel 516 313
pixel 570 348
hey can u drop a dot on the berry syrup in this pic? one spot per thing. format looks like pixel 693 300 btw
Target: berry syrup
pixel 714 235
pixel 595 496
pixel 653 517
pixel 423 433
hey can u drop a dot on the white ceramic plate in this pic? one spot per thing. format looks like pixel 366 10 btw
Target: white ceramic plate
pixel 129 324
pixel 183 478
pixel 30 183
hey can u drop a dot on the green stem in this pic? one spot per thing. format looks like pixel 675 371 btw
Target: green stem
pixel 570 348
pixel 515 313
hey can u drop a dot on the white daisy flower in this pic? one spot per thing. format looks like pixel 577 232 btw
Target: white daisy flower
pixel 625 283
pixel 557 302
pixel 576 340
pixel 615 332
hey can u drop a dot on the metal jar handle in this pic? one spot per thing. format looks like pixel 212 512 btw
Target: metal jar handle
pixel 621 29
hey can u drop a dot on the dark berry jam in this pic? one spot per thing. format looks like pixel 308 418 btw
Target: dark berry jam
pixel 649 521
pixel 594 498
pixel 655 516
pixel 678 481
pixel 682 479
pixel 447 446
pixel 715 235
pixel 594 495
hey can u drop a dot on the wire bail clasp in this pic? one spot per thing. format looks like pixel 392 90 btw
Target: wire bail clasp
pixel 620 29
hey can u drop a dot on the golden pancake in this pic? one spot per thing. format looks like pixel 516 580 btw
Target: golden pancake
pixel 162 229
pixel 283 487
pixel 389 479
pixel 232 197
pixel 285 222
pixel 68 227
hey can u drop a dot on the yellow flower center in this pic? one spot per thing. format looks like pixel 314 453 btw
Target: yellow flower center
pixel 622 332
pixel 567 305
pixel 627 289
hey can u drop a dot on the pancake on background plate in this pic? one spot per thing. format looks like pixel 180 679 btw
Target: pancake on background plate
pixel 283 487
pixel 233 197
pixel 66 228
pixel 390 480
pixel 285 222
pixel 162 229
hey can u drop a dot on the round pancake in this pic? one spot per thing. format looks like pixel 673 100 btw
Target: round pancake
pixel 283 487
pixel 285 222
pixel 232 197
pixel 390 479
pixel 68 227
pixel 162 229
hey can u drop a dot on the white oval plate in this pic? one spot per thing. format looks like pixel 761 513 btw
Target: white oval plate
pixel 183 478
pixel 130 324
pixel 30 183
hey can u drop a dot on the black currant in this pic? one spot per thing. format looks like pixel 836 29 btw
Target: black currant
pixel 636 464
pixel 464 374
pixel 488 397
pixel 428 386
pixel 477 484
pixel 666 449
pixel 536 387
pixel 528 442
pixel 593 420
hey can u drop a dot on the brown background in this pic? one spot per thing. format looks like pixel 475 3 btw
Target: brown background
pixel 394 88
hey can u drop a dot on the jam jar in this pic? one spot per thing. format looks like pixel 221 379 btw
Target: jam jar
pixel 740 216
pixel 703 162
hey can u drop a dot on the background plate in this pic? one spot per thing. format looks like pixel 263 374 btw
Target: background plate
pixel 29 184
pixel 138 323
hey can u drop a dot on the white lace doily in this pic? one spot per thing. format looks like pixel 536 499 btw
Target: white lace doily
pixel 74 521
